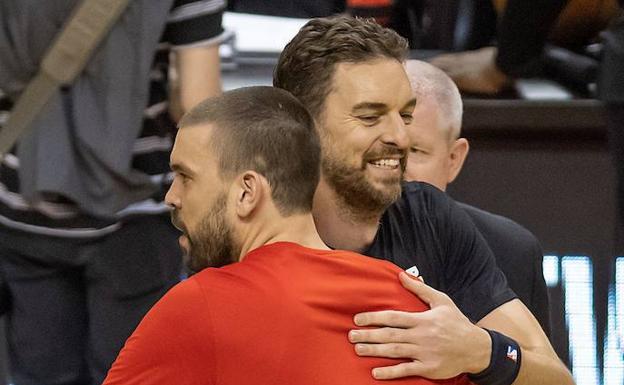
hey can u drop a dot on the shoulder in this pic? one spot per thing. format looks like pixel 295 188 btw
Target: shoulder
pixel 499 228
pixel 423 193
pixel 173 338
pixel 181 302
pixel 419 200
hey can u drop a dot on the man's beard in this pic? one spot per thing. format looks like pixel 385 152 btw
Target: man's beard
pixel 359 197
pixel 212 245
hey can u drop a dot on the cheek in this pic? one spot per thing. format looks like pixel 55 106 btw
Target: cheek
pixel 421 167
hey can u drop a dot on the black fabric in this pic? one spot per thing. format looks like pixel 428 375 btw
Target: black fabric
pixel 522 34
pixel 95 292
pixel 288 8
pixel 611 74
pixel 519 255
pixel 194 30
pixel 426 229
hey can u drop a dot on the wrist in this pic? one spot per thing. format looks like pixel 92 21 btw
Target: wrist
pixel 505 361
pixel 482 344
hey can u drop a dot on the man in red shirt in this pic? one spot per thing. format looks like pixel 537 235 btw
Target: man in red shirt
pixel 279 308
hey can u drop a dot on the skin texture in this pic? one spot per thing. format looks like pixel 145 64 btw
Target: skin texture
pixel 442 342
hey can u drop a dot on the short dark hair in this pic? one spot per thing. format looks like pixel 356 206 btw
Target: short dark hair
pixel 269 131
pixel 307 64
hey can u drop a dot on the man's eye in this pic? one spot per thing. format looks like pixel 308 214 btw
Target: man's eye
pixel 414 150
pixel 369 119
pixel 407 118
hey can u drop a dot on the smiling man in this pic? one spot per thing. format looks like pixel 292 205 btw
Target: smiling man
pixel 277 311
pixel 350 74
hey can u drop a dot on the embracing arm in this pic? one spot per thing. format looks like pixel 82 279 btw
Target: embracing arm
pixel 443 343
pixel 540 364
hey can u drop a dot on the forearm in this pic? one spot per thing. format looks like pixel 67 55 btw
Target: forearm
pixel 539 363
pixel 199 71
pixel 196 76
pixel 539 369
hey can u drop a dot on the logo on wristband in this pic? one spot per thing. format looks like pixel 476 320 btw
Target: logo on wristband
pixel 512 354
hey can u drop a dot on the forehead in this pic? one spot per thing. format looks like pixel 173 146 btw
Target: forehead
pixel 192 146
pixel 375 81
pixel 428 120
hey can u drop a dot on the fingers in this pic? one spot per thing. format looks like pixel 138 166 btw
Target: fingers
pixel 393 350
pixel 426 293
pixel 391 318
pixel 383 335
pixel 397 371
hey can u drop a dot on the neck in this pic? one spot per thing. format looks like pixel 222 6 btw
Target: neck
pixel 338 224
pixel 298 228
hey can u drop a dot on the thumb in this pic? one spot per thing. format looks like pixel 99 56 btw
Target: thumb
pixel 426 293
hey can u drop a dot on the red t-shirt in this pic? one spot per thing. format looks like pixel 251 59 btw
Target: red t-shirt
pixel 281 316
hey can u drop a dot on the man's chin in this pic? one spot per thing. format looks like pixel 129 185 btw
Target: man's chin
pixel 386 189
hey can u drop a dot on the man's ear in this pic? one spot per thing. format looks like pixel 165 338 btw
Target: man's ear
pixel 250 192
pixel 458 154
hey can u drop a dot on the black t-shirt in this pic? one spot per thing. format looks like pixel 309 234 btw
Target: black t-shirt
pixel 426 229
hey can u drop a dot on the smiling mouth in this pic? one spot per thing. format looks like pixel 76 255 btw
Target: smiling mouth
pixel 388 164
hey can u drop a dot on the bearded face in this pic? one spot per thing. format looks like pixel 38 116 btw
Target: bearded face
pixel 211 244
pixel 352 181
pixel 363 129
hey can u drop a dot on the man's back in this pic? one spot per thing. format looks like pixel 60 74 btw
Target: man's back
pixel 280 316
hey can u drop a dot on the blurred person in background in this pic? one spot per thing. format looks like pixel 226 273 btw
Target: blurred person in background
pixel 436 156
pixel 86 244
pixel 523 32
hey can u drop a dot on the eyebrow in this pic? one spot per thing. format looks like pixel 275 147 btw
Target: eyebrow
pixel 369 106
pixel 177 167
pixel 381 106
pixel 410 104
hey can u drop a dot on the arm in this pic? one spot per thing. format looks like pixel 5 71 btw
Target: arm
pixel 540 364
pixel 443 341
pixel 196 66
pixel 197 77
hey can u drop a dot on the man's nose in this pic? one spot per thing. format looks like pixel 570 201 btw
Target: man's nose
pixel 172 198
pixel 395 133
